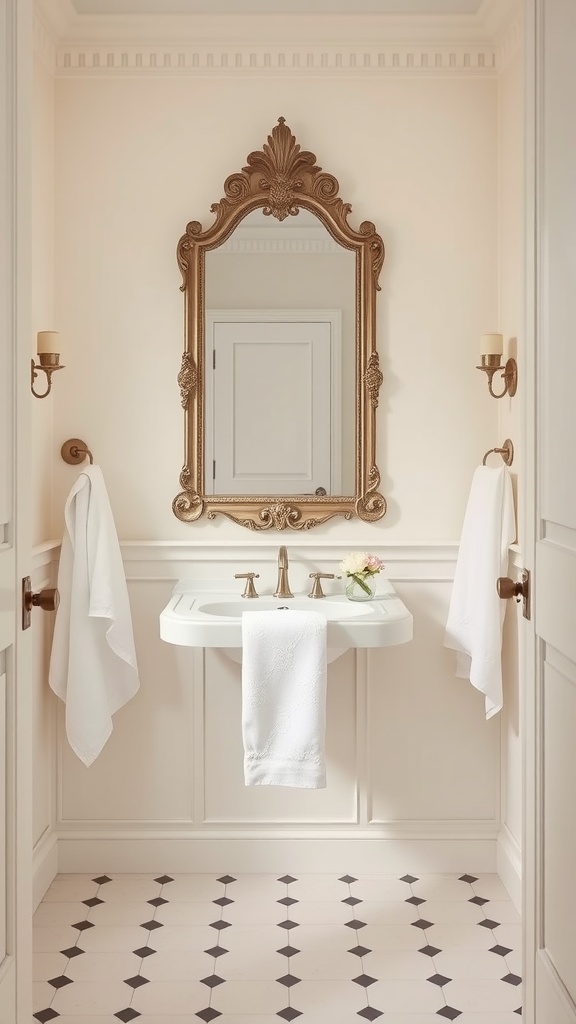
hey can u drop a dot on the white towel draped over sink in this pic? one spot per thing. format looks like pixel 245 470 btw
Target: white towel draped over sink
pixel 93 662
pixel 476 615
pixel 284 698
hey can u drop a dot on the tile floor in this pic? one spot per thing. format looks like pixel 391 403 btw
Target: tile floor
pixel 259 949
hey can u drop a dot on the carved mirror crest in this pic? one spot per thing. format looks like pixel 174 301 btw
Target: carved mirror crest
pixel 281 187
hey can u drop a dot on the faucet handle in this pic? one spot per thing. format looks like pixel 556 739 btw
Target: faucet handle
pixel 317 586
pixel 249 589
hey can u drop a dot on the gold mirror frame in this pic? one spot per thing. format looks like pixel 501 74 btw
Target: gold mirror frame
pixel 280 179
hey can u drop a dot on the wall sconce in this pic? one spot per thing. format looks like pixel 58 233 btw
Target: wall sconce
pixel 48 360
pixel 491 349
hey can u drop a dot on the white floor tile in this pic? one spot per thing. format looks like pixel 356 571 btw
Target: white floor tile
pixel 47 965
pixel 443 888
pixel 485 996
pixel 490 887
pixel 52 940
pixel 469 964
pixel 112 939
pixel 402 965
pixel 103 967
pixel 391 936
pixel 42 995
pixel 182 965
pixel 128 890
pixel 503 911
pixel 115 914
pixel 335 997
pixel 485 1018
pixel 454 912
pixel 322 964
pixel 53 914
pixel 172 938
pixel 251 997
pixel 70 889
pixel 192 888
pixel 167 997
pixel 509 935
pixel 254 912
pixel 386 912
pixel 380 888
pixel 461 936
pixel 92 997
pixel 412 996
pixel 191 915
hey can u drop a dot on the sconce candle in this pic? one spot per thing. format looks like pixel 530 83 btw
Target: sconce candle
pixel 48 348
pixel 47 341
pixel 491 345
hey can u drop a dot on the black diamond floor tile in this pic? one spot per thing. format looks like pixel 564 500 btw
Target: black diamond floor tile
pixel 288 924
pixel 137 981
pixel 72 951
pixel 416 901
pixel 288 951
pixel 422 923
pixel 468 878
pixel 223 901
pixel 429 950
pixel 369 1013
pixel 449 1012
pixel 512 979
pixel 479 901
pixel 83 925
pixel 348 879
pixel 364 980
pixel 45 1015
pixel 488 923
pixel 352 901
pixel 216 951
pixel 208 1014
pixel 287 901
pixel 287 879
pixel 212 981
pixel 359 950
pixel 164 879
pixel 102 879
pixel 355 923
pixel 94 902
pixel 144 951
pixel 220 925
pixel 519 1011
pixel 289 1013
pixel 151 925
pixel 59 982
pixel 500 950
pixel 288 980
pixel 439 979
pixel 158 901
pixel 226 879
pixel 127 1014
pixel 409 879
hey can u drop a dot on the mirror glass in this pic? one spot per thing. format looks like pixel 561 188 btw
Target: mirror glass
pixel 280 358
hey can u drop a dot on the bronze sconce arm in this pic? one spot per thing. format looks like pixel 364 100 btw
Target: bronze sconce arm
pixel 491 364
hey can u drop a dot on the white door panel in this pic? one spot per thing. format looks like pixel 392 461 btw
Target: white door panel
pixel 15 711
pixel 550 835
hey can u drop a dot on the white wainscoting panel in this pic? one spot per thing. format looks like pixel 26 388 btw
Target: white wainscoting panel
pixel 412 764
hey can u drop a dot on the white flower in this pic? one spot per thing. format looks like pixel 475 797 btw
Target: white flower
pixel 360 562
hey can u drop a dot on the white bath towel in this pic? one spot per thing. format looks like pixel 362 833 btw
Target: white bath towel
pixel 476 615
pixel 284 698
pixel 93 662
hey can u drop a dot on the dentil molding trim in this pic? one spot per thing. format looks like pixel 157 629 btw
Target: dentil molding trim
pixel 198 45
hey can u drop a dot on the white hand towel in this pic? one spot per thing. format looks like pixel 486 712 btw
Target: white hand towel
pixel 93 665
pixel 284 698
pixel 476 615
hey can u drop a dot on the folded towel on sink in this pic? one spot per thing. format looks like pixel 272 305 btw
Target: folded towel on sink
pixel 284 698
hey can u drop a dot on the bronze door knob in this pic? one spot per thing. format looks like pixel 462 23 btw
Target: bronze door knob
pixel 507 588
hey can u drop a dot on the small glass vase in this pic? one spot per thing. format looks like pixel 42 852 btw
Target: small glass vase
pixel 360 588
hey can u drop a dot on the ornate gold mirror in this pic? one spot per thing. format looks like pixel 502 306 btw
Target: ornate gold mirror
pixel 280 374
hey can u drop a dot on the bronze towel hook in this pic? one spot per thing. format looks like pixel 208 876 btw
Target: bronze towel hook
pixel 74 451
pixel 506 451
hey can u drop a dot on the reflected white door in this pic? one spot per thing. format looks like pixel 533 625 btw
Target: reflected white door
pixel 551 703
pixel 15 688
pixel 273 382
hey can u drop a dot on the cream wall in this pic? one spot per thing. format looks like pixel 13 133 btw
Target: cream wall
pixel 413 766
pixel 138 158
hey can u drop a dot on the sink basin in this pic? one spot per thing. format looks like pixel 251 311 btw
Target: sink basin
pixel 193 618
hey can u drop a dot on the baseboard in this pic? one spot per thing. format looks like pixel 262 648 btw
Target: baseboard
pixel 44 865
pixel 367 856
pixel 509 866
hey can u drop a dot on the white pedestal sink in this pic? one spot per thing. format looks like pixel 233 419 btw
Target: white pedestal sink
pixel 193 618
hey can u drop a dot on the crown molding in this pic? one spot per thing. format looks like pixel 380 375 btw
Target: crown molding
pixel 89 45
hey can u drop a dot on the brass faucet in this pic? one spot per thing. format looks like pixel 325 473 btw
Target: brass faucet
pixel 283 586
